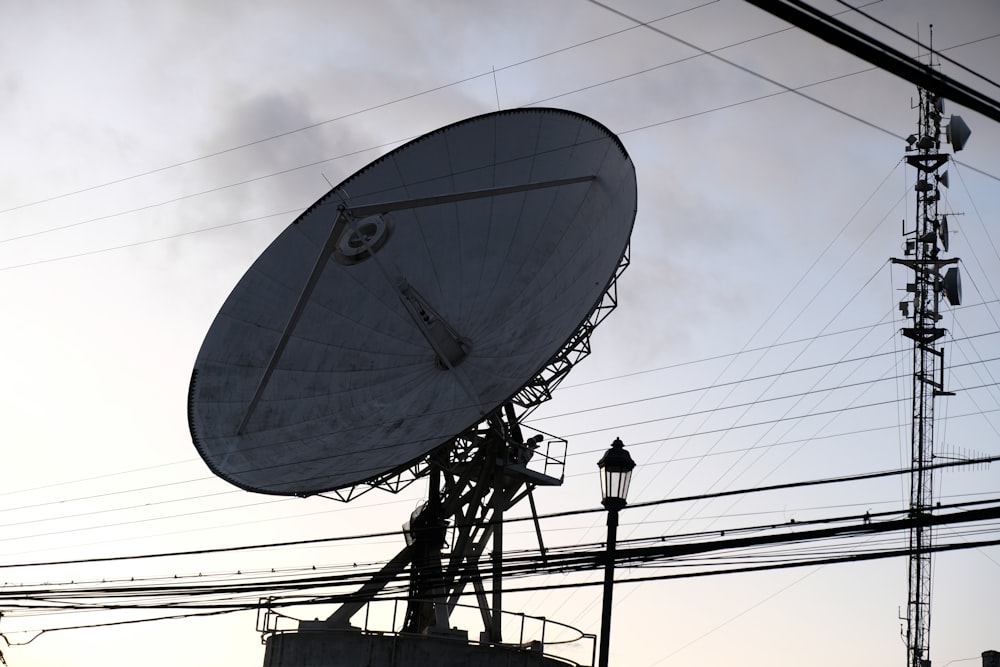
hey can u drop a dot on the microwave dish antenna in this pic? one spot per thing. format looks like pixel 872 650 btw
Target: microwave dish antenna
pixel 461 272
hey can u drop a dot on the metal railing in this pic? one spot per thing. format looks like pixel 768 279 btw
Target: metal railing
pixel 555 640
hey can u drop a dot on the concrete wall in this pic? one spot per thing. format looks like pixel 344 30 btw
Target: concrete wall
pixel 353 648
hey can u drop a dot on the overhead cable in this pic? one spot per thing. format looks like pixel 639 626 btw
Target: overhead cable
pixel 857 43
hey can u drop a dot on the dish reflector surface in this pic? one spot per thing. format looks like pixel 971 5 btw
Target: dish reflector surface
pixel 422 320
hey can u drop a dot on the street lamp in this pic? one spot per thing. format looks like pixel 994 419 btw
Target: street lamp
pixel 616 472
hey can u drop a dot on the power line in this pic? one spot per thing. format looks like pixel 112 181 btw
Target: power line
pixel 563 388
pixel 665 501
pixel 857 10
pixel 881 55
pixel 571 559
pixel 784 87
pixel 315 163
pixel 334 119
pixel 758 378
pixel 305 166
pixel 771 399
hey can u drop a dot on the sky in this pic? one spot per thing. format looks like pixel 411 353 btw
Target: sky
pixel 153 150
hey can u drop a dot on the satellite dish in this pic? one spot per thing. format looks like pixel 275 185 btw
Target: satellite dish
pixel 412 300
pixel 943 232
pixel 958 133
pixel 952 284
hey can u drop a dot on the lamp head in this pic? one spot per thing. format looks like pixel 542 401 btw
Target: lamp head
pixel 616 473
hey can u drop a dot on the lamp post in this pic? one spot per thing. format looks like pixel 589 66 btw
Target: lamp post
pixel 616 472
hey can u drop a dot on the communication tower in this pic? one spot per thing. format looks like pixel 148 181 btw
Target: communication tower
pixel 934 278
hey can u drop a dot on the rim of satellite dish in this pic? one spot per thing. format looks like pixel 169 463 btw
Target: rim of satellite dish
pixel 538 202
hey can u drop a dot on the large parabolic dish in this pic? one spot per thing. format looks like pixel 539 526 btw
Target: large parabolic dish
pixel 412 300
